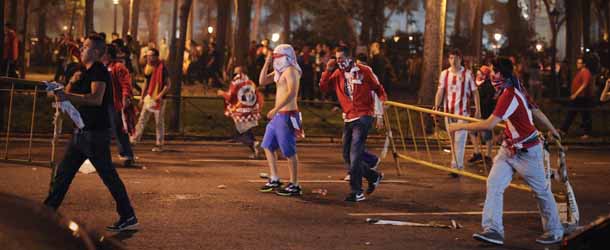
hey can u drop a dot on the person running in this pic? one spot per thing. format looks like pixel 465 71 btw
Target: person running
pixel 521 152
pixel 121 90
pixel 285 125
pixel 90 90
pixel 152 100
pixel 243 103
pixel 357 89
pixel 455 90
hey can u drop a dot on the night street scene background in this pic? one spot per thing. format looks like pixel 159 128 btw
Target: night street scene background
pixel 305 124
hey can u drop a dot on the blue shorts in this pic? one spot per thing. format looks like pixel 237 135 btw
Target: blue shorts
pixel 280 134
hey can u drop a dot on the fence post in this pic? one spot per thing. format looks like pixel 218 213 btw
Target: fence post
pixel 8 126
pixel 32 123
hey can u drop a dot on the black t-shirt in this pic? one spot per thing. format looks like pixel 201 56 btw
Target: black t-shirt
pixel 95 117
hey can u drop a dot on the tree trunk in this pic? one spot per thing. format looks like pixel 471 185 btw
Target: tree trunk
pixel 586 23
pixel 378 17
pixel 244 8
pixel 13 12
pixel 223 8
pixel 517 28
pixel 89 28
pixel 134 19
pixel 258 6
pixel 457 22
pixel 434 41
pixel 2 5
pixel 152 20
pixel 476 25
pixel 125 26
pixel 287 11
pixel 24 38
pixel 367 18
pixel 172 36
pixel 573 33
pixel 41 32
pixel 176 66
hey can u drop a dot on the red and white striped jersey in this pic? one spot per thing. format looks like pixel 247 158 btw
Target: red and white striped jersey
pixel 513 108
pixel 458 89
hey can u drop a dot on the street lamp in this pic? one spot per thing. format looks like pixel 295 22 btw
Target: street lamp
pixel 539 47
pixel 396 38
pixel 275 37
pixel 210 29
pixel 410 38
pixel 64 28
pixel 115 3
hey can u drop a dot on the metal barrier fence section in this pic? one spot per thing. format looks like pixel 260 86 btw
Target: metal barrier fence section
pixel 418 135
pixel 26 116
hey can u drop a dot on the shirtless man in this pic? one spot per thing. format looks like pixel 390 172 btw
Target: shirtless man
pixel 285 124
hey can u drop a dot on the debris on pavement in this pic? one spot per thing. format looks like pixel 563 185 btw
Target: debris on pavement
pixel 320 191
pixel 454 224
pixel 221 186
pixel 263 175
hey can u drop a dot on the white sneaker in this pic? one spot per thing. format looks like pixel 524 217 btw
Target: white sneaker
pixel 157 149
pixel 347 178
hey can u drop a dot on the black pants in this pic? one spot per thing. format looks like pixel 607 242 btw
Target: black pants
pixel 121 137
pixel 246 138
pixel 584 104
pixel 95 146
pixel 9 68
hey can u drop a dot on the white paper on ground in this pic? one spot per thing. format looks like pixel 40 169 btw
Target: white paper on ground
pixel 87 167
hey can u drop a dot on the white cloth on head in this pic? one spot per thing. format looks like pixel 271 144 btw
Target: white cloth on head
pixel 282 63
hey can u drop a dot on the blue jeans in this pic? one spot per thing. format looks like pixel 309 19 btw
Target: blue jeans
pixel 355 155
pixel 530 166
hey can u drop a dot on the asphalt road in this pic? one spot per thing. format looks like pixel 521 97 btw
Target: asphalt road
pixel 204 196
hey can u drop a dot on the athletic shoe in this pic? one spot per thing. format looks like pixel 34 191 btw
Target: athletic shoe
pixel 475 158
pixel 376 164
pixel 491 237
pixel 270 186
pixel 290 190
pixel 128 163
pixel 355 197
pixel 548 239
pixel 128 224
pixel 157 148
pixel 347 178
pixel 373 185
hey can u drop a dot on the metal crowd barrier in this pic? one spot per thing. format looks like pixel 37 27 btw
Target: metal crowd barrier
pixel 430 145
pixel 22 124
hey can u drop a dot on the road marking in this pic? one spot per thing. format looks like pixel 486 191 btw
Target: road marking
pixel 259 161
pixel 439 213
pixel 596 163
pixel 331 181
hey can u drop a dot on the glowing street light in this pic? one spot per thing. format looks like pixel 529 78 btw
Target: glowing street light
pixel 539 47
pixel 498 37
pixel 275 37
pixel 65 27
pixel 210 29
pixel 410 38
pixel 396 38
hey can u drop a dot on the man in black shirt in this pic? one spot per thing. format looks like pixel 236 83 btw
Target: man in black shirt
pixel 91 91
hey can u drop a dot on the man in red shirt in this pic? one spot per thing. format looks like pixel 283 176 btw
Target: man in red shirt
pixel 10 52
pixel 581 99
pixel 521 152
pixel 358 91
pixel 121 90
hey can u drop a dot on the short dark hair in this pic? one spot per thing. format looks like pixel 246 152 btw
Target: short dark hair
pixel 155 51
pixel 343 49
pixel 112 51
pixel 504 66
pixel 456 52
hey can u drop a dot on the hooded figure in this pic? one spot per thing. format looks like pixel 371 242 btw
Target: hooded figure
pixel 284 57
